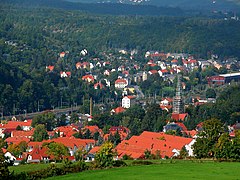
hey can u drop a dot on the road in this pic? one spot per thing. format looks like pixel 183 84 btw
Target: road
pixel 140 94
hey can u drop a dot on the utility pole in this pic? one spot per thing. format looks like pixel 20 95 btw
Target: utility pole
pixel 38 105
pixel 91 106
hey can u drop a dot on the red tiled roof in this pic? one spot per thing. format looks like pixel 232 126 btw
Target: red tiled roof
pixel 153 71
pixel 51 68
pixel 120 81
pixel 22 133
pixel 4 150
pixel 153 142
pixel 14 124
pixel 182 126
pixel 38 153
pixel 93 129
pixel 179 117
pixel 94 150
pixel 16 140
pixel 119 110
pixel 192 133
pixel 67 131
pixel 86 77
pixel 164 71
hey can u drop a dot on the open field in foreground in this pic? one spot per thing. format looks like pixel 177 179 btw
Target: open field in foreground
pixel 175 170
pixel 29 167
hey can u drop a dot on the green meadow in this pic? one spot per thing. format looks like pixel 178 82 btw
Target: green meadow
pixel 163 170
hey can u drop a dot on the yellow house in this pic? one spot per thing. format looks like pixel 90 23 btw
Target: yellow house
pixel 131 89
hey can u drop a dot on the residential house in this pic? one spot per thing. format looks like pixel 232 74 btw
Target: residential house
pixel 49 68
pixel 128 101
pixel 12 126
pixel 62 54
pixel 66 131
pixel 157 143
pixel 92 129
pixel 163 72
pixel 166 104
pixel 16 140
pixel 88 78
pixel 118 110
pixel 38 154
pixel 64 74
pixel 121 83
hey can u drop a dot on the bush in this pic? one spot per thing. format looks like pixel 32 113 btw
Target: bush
pixel 142 163
pixel 126 157
pixel 119 163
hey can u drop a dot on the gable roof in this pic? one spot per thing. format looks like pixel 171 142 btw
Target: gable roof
pixel 153 142
pixel 120 81
pixel 15 124
pixel 179 117
pixel 118 110
pixel 16 140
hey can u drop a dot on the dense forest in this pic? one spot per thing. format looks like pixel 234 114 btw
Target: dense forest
pixel 32 38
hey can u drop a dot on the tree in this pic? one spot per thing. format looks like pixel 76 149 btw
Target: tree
pixel 223 147
pixel 40 133
pixel 205 144
pixel 14 149
pixel 48 119
pixel 96 135
pixel 22 146
pixel 80 153
pixel 19 128
pixel 104 157
pixel 4 171
pixel 87 134
pixel 210 93
pixel 58 150
pixel 183 152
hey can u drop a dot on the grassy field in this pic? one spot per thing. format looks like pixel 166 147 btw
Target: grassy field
pixel 165 170
pixel 29 167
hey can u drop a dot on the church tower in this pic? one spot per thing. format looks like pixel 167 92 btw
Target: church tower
pixel 178 107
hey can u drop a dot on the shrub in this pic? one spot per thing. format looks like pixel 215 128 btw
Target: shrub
pixel 142 163
pixel 119 163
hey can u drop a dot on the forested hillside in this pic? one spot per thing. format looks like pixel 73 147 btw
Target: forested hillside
pixel 32 38
pixel 203 5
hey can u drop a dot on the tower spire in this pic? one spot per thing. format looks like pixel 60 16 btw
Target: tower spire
pixel 177 101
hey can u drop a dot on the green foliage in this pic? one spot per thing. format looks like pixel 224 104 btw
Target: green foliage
pixel 183 152
pixel 57 150
pixel 204 146
pixel 79 154
pixel 40 133
pixel 104 157
pixel 4 171
pixel 47 119
pixel 210 93
pixel 137 162
pixel 147 154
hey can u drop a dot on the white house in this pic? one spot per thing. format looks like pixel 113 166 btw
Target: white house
pixel 121 83
pixel 127 101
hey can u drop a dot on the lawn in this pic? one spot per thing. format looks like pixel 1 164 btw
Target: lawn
pixel 29 167
pixel 166 170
